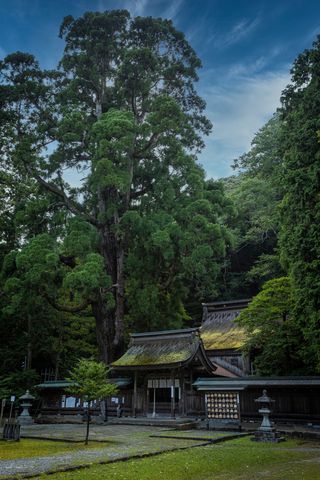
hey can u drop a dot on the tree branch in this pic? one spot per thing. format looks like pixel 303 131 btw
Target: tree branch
pixel 71 205
pixel 151 143
pixel 67 308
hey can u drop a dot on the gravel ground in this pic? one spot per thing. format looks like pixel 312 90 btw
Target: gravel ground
pixel 127 440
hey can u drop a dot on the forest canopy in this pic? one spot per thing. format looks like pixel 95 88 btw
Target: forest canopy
pixel 143 237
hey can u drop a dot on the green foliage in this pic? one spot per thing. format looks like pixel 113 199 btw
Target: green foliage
pixel 171 256
pixel 265 268
pixel 255 224
pixel 300 229
pixel 256 193
pixel 264 159
pixel 90 381
pixel 273 337
pixel 144 229
pixel 16 383
pixel 35 335
pixel 278 198
pixel 144 235
pixel 255 200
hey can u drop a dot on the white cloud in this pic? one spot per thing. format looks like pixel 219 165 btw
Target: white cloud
pixel 238 108
pixel 253 68
pixel 240 30
pixel 312 35
pixel 136 7
pixel 172 11
pixel 164 8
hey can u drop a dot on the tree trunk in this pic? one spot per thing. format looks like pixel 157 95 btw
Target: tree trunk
pixel 110 322
pixel 29 344
pixel 88 425
pixel 59 351
pixel 119 314
pixel 104 329
pixel 57 366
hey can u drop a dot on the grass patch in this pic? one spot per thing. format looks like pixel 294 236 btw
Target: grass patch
pixel 27 448
pixel 193 434
pixel 240 458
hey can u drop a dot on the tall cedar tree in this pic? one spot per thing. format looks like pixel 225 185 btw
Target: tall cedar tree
pixel 300 234
pixel 122 109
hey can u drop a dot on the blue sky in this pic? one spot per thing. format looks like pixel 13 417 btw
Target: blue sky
pixel 246 47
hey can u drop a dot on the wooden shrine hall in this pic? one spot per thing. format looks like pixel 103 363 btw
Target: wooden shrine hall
pixel 164 366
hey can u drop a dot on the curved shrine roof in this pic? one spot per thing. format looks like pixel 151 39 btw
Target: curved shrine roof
pixel 173 348
pixel 219 330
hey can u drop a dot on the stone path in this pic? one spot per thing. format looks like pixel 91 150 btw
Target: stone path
pixel 125 441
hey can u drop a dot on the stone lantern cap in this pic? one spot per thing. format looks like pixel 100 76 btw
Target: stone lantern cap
pixel 27 396
pixel 264 398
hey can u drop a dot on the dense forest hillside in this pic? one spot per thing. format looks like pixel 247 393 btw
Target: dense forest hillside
pixel 144 238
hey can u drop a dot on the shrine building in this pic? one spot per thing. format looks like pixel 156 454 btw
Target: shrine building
pixel 164 365
pixel 200 373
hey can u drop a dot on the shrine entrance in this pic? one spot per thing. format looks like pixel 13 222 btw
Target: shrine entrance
pixel 163 396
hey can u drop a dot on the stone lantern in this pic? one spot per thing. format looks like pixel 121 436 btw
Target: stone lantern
pixel 266 432
pixel 26 402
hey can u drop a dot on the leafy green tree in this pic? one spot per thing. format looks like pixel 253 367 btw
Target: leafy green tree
pixel 173 255
pixel 256 193
pixel 123 110
pixel 15 383
pixel 90 383
pixel 285 156
pixel 33 334
pixel 273 337
pixel 255 225
pixel 300 230
pixel 264 159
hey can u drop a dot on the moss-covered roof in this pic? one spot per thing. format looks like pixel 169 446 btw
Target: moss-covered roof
pixel 219 330
pixel 161 349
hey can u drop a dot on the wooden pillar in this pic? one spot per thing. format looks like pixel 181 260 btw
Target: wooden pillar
pixel 134 412
pixel 182 403
pixel 173 394
pixel 147 400
pixel 154 400
pixel 188 401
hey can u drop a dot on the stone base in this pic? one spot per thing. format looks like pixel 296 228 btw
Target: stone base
pixel 70 419
pixel 271 436
pixel 24 420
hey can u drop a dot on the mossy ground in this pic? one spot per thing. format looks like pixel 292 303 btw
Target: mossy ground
pixel 241 459
pixel 201 434
pixel 27 448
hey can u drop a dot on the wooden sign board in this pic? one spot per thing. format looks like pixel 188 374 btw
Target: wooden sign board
pixel 223 406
